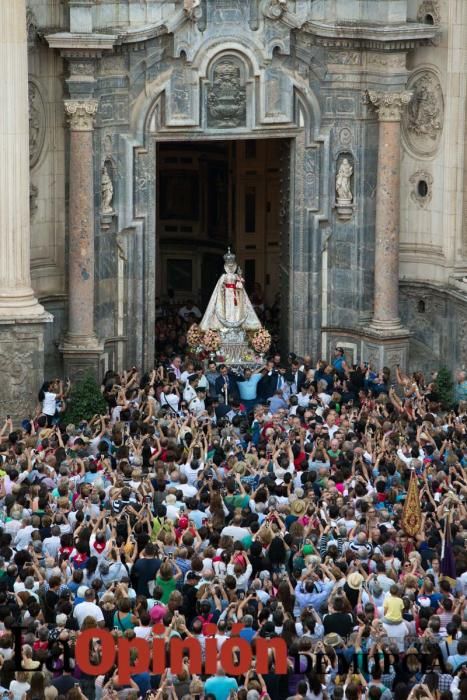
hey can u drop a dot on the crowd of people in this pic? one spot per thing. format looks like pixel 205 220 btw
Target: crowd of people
pixel 209 495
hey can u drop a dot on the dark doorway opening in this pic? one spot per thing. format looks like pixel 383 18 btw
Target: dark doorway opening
pixel 211 195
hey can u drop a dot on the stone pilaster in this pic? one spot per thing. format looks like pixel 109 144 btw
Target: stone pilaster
pixel 81 349
pixel 388 340
pixel 22 318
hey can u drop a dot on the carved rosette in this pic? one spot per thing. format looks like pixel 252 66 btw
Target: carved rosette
pixel 81 114
pixel 389 105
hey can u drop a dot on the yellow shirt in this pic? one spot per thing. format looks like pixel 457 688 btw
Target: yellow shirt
pixel 393 608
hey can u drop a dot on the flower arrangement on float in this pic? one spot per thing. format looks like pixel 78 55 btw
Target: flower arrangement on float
pixel 212 341
pixel 261 341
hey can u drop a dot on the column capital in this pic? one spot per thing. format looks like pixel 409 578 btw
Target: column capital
pixel 80 114
pixel 389 105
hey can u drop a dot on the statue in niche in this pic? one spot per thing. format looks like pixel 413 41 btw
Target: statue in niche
pixel 107 192
pixel 344 174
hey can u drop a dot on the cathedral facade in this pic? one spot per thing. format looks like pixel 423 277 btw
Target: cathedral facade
pixel 325 141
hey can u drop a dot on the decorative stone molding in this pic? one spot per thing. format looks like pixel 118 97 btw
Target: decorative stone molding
pixel 81 114
pixel 429 8
pixel 422 192
pixel 389 105
pixel 37 123
pixel 423 120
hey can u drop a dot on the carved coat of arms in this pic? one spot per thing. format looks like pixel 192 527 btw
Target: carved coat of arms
pixel 226 97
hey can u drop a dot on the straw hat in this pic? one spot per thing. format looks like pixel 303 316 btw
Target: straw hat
pixel 355 580
pixel 298 507
pixel 332 640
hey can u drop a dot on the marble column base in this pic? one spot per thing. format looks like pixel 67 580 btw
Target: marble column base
pixel 388 348
pixel 81 355
pixel 21 365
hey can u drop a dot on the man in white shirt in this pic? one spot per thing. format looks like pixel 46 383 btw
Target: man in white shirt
pixel 88 608
pixel 51 544
pixel 188 310
pixel 22 539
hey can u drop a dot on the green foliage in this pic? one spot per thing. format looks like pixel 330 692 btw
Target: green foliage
pixel 84 401
pixel 444 388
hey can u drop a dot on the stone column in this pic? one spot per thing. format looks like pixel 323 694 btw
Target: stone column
pixel 22 318
pixel 17 298
pixel 386 296
pixel 81 349
pixel 385 341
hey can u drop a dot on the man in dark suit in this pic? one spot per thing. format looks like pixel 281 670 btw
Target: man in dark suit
pixel 227 383
pixel 295 377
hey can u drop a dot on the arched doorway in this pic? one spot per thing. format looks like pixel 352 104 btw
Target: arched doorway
pixel 262 177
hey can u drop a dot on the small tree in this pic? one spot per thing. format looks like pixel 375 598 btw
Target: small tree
pixel 85 400
pixel 444 388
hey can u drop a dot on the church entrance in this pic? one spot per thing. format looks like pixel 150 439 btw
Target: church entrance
pixel 215 194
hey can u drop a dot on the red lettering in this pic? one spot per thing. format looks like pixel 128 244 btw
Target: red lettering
pixel 125 668
pixel 229 664
pixel 178 648
pixel 279 649
pixel 82 652
pixel 210 664
pixel 159 662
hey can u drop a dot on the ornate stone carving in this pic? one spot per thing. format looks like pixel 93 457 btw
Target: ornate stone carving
pixel 274 9
pixel 344 58
pixel 107 192
pixel 386 61
pixel 81 114
pixel 86 68
pixel 427 9
pixel 31 26
pixel 33 194
pixel 37 123
pixel 421 181
pixel 389 105
pixel 226 96
pixel 193 9
pixel 423 121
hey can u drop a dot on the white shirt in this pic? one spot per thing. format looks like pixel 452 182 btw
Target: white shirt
pixel 169 400
pixel 49 403
pixel 238 533
pixel 191 474
pixel 51 545
pixel 23 537
pixel 188 490
pixel 87 609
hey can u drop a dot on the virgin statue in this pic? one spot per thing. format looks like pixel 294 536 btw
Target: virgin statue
pixel 229 306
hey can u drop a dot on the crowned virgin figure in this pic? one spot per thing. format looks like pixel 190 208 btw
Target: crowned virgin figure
pixel 229 306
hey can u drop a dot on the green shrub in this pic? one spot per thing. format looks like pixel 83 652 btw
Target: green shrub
pixel 84 401
pixel 444 388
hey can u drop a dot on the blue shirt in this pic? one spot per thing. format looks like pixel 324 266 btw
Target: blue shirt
pixel 220 686
pixel 247 388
